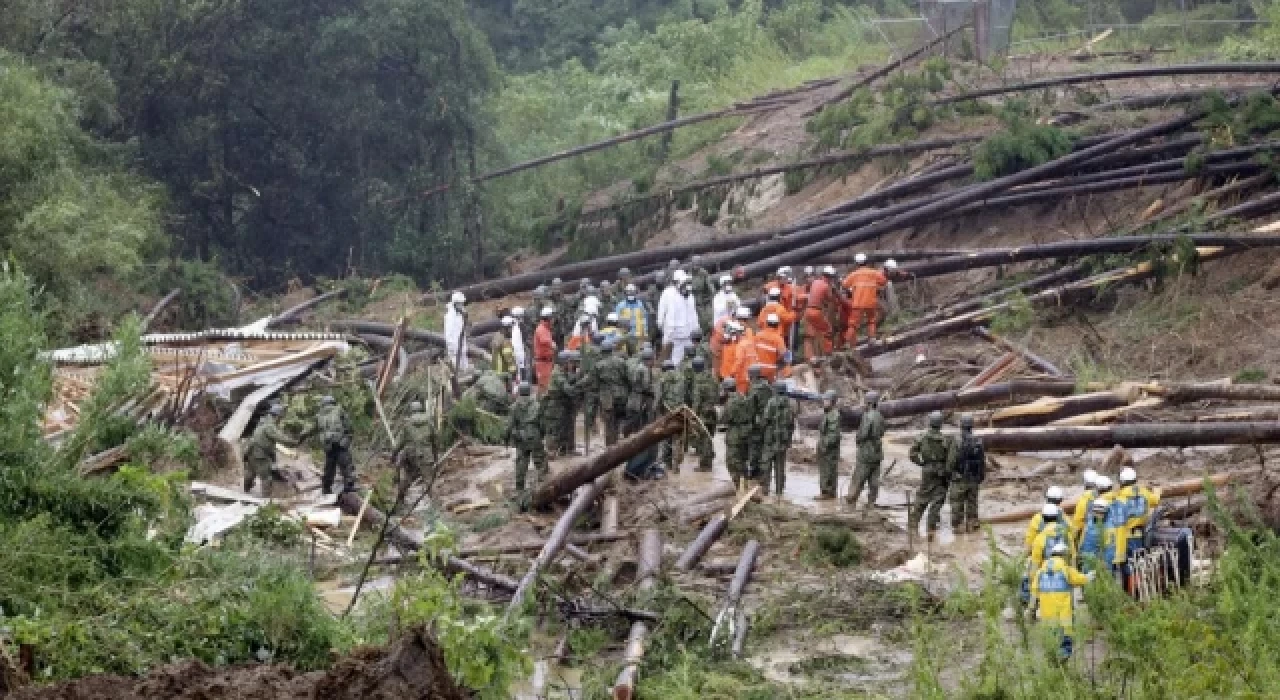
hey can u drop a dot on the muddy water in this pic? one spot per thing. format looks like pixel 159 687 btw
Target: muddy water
pixel 852 659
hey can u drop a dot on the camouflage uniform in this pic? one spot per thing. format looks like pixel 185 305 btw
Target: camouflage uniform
pixel 562 319
pixel 971 463
pixel 611 378
pixel 260 455
pixel 704 290
pixel 704 393
pixel 758 396
pixel 829 452
pixel 558 405
pixel 417 450
pixel 640 399
pixel 491 393
pixel 672 394
pixel 588 389
pixel 936 455
pixel 335 434
pixel 870 455
pixel 739 423
pixel 779 426
pixel 524 431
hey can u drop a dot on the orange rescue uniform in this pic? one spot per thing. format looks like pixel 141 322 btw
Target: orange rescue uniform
pixel 785 315
pixel 864 285
pixel 818 328
pixel 745 356
pixel 728 357
pixel 544 354
pixel 716 344
pixel 770 350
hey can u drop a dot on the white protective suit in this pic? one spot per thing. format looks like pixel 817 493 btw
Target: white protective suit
pixel 517 349
pixel 455 337
pixel 724 304
pixel 677 328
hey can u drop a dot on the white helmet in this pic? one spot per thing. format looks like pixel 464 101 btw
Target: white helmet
pixel 744 313
pixel 1050 511
pixel 891 264
pixel 679 276
pixel 1128 476
pixel 808 271
pixel 507 321
pixel 1054 494
pixel 785 271
pixel 733 328
pixel 612 317
pixel 630 290
pixel 1103 484
pixel 547 312
pixel 725 280
pixel 860 258
pixel 1090 478
pixel 772 319
pixel 1059 549
pixel 518 312
pixel 458 298
pixel 829 270
pixel 775 292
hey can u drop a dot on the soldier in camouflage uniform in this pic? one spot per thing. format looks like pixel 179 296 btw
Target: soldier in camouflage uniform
pixel 524 432
pixel 704 394
pixel 613 387
pixel 758 395
pixel 704 290
pixel 971 471
pixel 672 394
pixel 588 385
pixel 699 348
pixel 417 448
pixel 260 456
pixel 492 392
pixel 779 427
pixel 558 406
pixel 563 316
pixel 334 428
pixel 828 448
pixel 608 296
pixel 640 400
pixel 936 454
pixel 739 423
pixel 651 297
pixel 870 452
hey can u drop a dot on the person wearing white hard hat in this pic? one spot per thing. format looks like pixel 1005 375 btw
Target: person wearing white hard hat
pixel 1055 531
pixel 725 300
pixel 670 312
pixel 455 333
pixel 1053 495
pixel 521 334
pixel 1139 502
pixel 544 348
pixel 774 306
pixel 1052 586
pixel 1094 549
pixel 862 290
pixel 821 305
pixel 501 352
pixel 1080 514
pixel 771 349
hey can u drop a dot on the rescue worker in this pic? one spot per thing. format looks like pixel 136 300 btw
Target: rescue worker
pixel 612 386
pixel 640 400
pixel 500 349
pixel 418 447
pixel 652 300
pixel 590 305
pixel 744 356
pixel 1053 496
pixel 936 454
pixel 828 449
pixel 524 432
pixel 573 301
pixel 704 394
pixel 775 307
pixel 544 348
pixel 725 301
pixel 1055 530
pixel 1140 502
pixel 611 330
pixel 582 332
pixel 703 290
pixel 1114 539
pixel 687 322
pixel 492 392
pixel 559 405
pixel 971 470
pixel 715 345
pixel 870 444
pixel 260 455
pixel 1052 587
pixel 672 395
pixel 589 386
pixel 334 428
pixel 670 318
pixel 608 295
pixel 758 395
pixel 779 427
pixel 519 336
pixel 863 287
pixel 455 333
pixel 771 350
pixel 1083 502
pixel 563 315
pixel 729 351
pixel 821 304
pixel 634 318
pixel 698 348
pixel 1095 548
pixel 738 422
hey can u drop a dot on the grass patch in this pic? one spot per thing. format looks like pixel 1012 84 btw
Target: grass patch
pixel 1250 375
pixel 828 545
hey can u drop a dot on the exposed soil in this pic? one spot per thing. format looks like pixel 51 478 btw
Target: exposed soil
pixel 413 668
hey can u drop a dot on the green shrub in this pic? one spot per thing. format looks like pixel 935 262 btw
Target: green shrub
pixel 832 546
pixel 1021 145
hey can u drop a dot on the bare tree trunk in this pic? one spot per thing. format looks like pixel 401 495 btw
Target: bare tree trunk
pixel 589 468
pixel 647 567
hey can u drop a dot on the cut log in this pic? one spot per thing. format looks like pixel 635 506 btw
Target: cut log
pixel 741 576
pixel 1105 76
pixel 884 70
pixel 1129 435
pixel 292 314
pixel 649 563
pixel 591 467
pixel 1110 415
pixel 1048 409
pixel 609 515
pixel 1033 360
pixel 430 337
pixel 1184 393
pixel 1003 392
pixel 555 542
pixel 1178 488
pixel 698 548
pixel 702 511
pixel 351 502
pixel 996 369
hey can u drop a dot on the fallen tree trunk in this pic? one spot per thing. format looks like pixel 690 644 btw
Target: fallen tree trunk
pixel 1033 360
pixel 883 71
pixel 589 468
pixel 1184 393
pixel 358 326
pixel 1062 275
pixel 741 576
pixel 1129 435
pixel 647 566
pixel 1048 409
pixel 159 307
pixel 1180 488
pixel 1249 183
pixel 555 542
pixel 291 314
pixel 1125 74
pixel 1014 390
pixel 406 539
pixel 698 548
